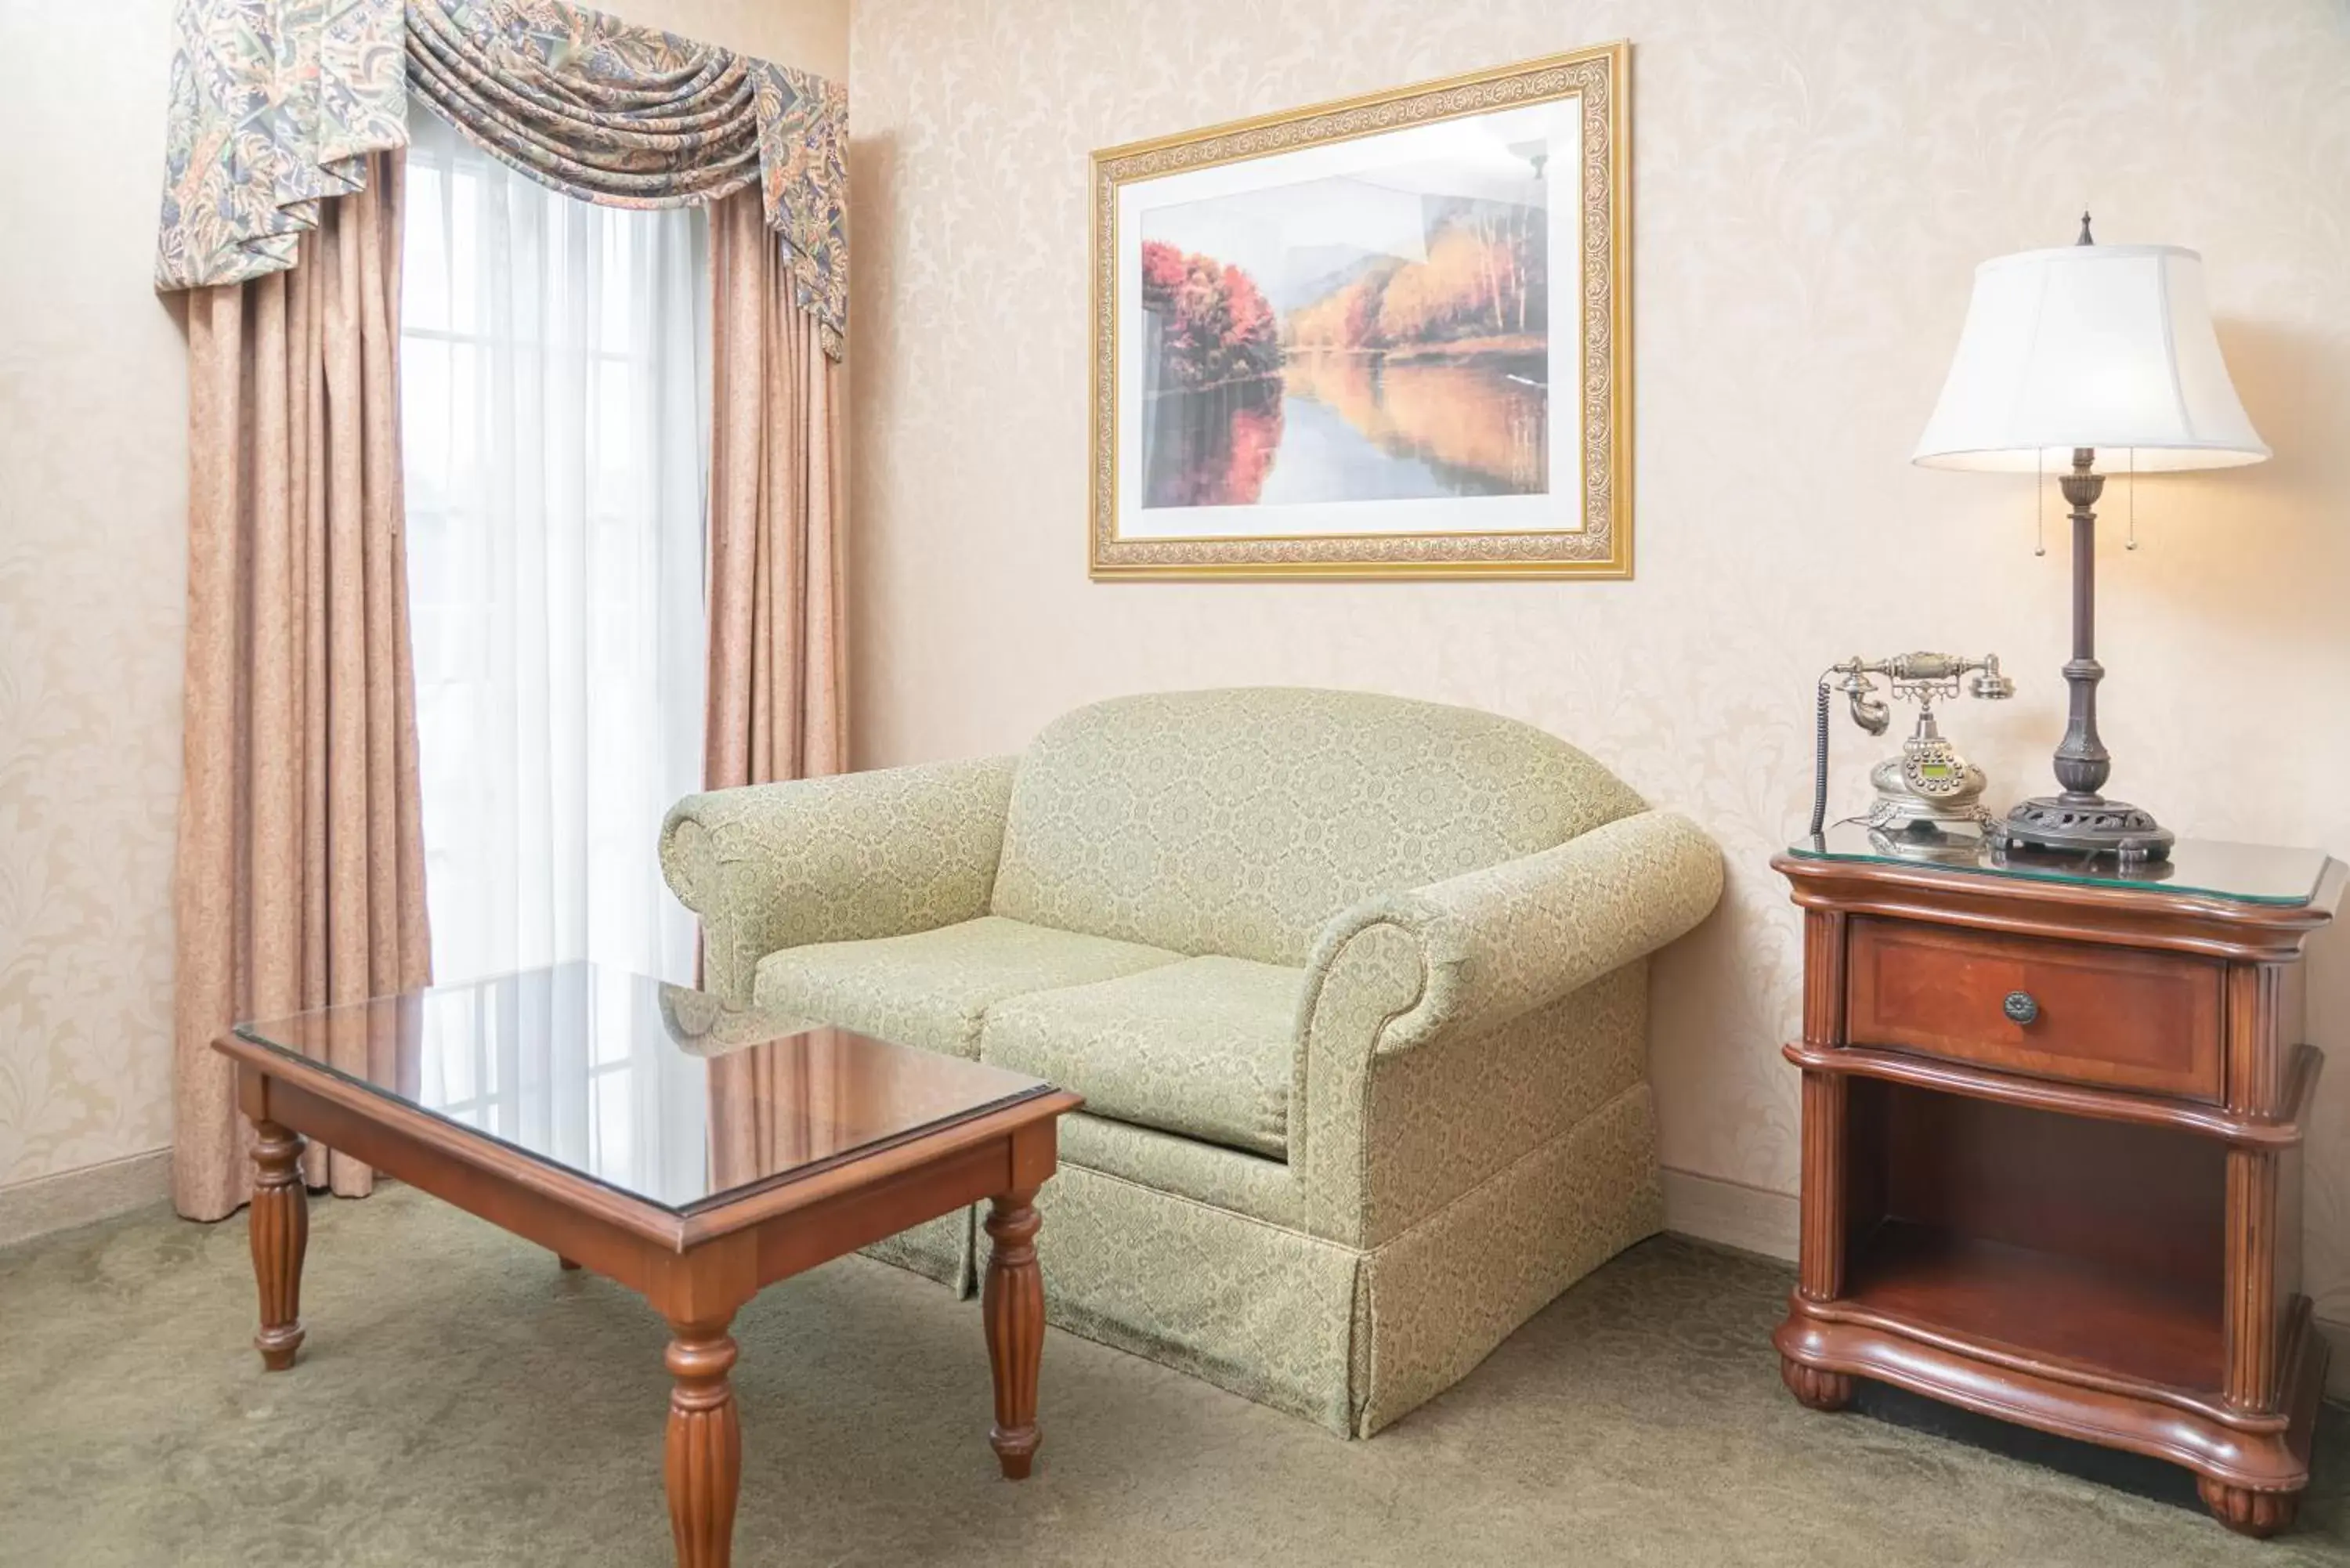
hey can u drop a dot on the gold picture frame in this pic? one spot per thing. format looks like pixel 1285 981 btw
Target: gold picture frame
pixel 1502 517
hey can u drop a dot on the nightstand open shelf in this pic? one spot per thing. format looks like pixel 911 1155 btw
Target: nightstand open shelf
pixel 2051 1144
pixel 2027 1306
pixel 2038 1237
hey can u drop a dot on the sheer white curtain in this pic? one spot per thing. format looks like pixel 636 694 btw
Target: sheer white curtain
pixel 555 406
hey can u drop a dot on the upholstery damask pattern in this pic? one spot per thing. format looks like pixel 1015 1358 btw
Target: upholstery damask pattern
pixel 1497 942
pixel 932 987
pixel 1437 1299
pixel 1248 1183
pixel 1458 962
pixel 1238 821
pixel 834 859
pixel 940 1248
pixel 274 103
pixel 1260 1309
pixel 1447 1114
pixel 1207 1047
pixel 1346 1338
pixel 1331 1189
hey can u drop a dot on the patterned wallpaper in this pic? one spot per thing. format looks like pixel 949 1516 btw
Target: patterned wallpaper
pixel 1814 182
pixel 812 35
pixel 93 571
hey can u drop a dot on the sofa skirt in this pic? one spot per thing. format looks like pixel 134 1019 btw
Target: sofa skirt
pixel 940 1248
pixel 1350 1339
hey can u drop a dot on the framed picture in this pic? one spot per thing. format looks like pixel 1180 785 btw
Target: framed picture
pixel 1389 337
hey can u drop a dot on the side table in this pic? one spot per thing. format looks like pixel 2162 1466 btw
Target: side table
pixel 2051 1125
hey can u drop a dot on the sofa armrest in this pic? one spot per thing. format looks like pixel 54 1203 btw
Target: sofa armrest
pixel 1502 940
pixel 1431 972
pixel 834 860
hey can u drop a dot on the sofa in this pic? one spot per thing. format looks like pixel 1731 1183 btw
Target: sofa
pixel 1355 989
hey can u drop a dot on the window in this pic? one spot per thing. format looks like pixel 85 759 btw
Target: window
pixel 554 408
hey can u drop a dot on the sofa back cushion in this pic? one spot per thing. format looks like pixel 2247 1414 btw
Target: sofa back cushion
pixel 1238 821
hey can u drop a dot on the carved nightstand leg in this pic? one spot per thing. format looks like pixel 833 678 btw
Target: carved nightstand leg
pixel 278 1226
pixel 1013 1304
pixel 1820 1390
pixel 704 1463
pixel 2258 1514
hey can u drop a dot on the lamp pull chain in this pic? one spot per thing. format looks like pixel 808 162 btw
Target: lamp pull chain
pixel 2132 543
pixel 2040 501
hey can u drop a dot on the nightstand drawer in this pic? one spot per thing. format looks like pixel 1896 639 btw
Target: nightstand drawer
pixel 2109 1015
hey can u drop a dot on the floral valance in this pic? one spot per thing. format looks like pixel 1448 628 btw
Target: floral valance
pixel 276 103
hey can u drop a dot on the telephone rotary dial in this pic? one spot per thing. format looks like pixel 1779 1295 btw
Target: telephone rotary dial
pixel 1927 786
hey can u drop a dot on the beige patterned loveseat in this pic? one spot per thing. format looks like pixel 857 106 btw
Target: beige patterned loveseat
pixel 1353 988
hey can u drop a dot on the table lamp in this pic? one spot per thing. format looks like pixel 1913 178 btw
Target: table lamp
pixel 2077 358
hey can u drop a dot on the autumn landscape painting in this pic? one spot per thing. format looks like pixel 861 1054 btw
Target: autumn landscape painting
pixel 1381 334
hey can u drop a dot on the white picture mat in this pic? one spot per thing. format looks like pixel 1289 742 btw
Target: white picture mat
pixel 1560 122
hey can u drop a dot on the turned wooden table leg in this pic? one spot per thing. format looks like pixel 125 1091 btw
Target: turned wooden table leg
pixel 1014 1300
pixel 279 1225
pixel 704 1459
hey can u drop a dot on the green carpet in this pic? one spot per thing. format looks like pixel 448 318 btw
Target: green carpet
pixel 461 1400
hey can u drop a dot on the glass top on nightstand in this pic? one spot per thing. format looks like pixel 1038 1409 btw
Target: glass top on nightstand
pixel 2239 873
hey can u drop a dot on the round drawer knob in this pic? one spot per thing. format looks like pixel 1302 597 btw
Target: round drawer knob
pixel 2020 1006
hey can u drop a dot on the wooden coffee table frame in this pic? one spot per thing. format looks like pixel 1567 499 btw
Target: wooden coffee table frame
pixel 697 1270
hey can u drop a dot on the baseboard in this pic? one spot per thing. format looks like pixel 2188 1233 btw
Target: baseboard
pixel 2337 1369
pixel 70 1197
pixel 1730 1214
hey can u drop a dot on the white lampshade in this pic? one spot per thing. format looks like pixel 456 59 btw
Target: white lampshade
pixel 2107 347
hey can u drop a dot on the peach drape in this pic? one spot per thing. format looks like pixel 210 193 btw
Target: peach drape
pixel 301 860
pixel 777 695
pixel 777 691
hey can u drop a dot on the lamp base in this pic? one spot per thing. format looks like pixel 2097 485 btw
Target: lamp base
pixel 2084 824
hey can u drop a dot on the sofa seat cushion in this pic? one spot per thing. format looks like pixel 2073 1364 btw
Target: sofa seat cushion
pixel 932 987
pixel 1204 1048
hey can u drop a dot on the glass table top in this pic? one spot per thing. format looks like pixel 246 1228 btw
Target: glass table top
pixel 2240 873
pixel 659 1091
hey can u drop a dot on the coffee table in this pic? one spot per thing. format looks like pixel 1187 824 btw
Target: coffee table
pixel 690 1150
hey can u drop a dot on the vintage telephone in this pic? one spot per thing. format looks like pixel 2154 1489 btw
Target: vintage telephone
pixel 1927 788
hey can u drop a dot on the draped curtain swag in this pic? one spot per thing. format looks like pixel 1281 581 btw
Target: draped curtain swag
pixel 274 104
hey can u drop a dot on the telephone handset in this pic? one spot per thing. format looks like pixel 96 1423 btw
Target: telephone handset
pixel 1927 787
